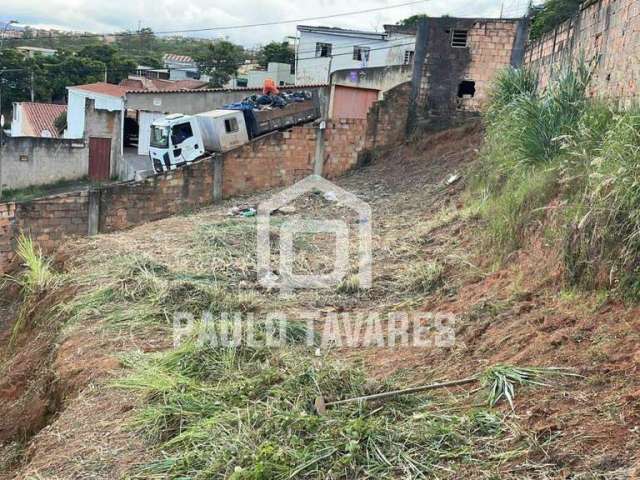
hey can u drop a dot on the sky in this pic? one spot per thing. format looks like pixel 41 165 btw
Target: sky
pixel 103 16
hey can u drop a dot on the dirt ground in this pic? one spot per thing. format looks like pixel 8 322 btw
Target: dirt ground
pixel 61 415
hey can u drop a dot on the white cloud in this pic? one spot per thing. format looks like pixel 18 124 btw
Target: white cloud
pixel 162 15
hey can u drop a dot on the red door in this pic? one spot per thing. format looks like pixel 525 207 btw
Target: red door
pixel 99 158
pixel 350 102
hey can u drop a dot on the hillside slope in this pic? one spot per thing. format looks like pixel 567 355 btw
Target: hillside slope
pixel 77 394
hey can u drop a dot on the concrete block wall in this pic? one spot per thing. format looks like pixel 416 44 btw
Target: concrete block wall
pixel 605 33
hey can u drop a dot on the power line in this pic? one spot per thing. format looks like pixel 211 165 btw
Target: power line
pixel 230 27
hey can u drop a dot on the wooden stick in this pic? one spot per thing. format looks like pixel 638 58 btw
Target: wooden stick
pixel 321 405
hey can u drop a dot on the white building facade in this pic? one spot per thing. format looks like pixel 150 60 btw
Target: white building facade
pixel 323 50
pixel 280 73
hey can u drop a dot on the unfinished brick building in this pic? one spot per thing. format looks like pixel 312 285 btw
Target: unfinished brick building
pixel 455 61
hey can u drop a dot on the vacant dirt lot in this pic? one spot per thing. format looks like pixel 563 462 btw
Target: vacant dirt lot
pixel 61 417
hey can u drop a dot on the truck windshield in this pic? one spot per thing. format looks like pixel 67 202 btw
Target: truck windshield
pixel 159 136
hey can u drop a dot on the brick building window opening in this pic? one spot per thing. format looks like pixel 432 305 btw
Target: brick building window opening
pixel 323 49
pixel 361 54
pixel 231 125
pixel 459 38
pixel 466 89
pixel 408 57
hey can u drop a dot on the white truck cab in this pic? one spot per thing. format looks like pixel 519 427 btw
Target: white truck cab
pixel 177 139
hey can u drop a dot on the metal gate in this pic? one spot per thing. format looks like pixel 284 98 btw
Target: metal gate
pixel 99 158
pixel 350 102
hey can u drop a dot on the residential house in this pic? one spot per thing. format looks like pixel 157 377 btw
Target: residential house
pixel 96 112
pixel 324 50
pixel 36 119
pixel 181 67
pixel 33 51
pixel 108 116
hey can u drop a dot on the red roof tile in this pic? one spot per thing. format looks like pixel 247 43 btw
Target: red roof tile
pixel 40 117
pixel 103 89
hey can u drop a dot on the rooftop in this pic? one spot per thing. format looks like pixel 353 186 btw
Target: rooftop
pixel 39 118
pixel 37 49
pixel 341 31
pixel 172 57
pixel 236 89
pixel 102 88
pixel 157 84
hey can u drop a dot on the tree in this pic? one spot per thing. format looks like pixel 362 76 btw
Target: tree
pixel 412 21
pixel 54 74
pixel 14 80
pixel 276 52
pixel 118 66
pixel 551 14
pixel 221 61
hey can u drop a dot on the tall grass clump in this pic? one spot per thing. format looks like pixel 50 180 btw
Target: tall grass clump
pixel 603 239
pixel 35 279
pixel 520 168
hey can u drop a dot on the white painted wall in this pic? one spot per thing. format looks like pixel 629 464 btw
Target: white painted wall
pixel 278 72
pixel 17 121
pixel 76 109
pixel 384 50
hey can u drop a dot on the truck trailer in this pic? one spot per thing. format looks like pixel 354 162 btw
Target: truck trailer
pixel 178 139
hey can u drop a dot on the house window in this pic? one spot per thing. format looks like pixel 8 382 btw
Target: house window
pixel 231 125
pixel 459 38
pixel 361 53
pixel 408 57
pixel 323 49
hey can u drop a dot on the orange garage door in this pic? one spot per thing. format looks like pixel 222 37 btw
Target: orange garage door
pixel 349 102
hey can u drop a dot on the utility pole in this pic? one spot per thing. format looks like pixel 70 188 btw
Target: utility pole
pixel 501 9
pixel 33 93
pixel 105 74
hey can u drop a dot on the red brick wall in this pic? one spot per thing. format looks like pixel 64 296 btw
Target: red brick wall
pixel 52 219
pixel 343 140
pixel 127 204
pixel 280 158
pixel 605 33
pixel 387 118
pixel 276 160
